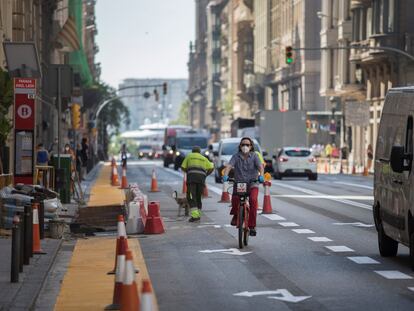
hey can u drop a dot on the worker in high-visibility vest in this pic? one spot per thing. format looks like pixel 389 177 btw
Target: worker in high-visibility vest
pixel 197 167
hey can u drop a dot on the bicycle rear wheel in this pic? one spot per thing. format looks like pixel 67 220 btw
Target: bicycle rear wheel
pixel 246 226
pixel 241 225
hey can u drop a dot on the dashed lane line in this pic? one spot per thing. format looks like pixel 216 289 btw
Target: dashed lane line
pixel 303 231
pixel 363 260
pixel 273 217
pixel 319 239
pixel 288 224
pixel 393 275
pixel 339 249
pixel 311 192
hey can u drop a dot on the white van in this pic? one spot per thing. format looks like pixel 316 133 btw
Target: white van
pixel 394 174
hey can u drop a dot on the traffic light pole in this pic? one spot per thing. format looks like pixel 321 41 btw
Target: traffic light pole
pixel 59 99
pixel 359 47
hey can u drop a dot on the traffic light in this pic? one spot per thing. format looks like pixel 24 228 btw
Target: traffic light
pixel 156 95
pixel 76 116
pixel 289 55
pixel 164 88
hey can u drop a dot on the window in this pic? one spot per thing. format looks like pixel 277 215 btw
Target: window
pixel 298 153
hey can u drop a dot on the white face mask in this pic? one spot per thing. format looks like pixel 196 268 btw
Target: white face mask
pixel 245 149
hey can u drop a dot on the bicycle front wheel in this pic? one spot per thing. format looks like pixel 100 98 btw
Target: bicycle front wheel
pixel 241 225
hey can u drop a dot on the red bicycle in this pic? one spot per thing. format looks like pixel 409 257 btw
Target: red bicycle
pixel 242 190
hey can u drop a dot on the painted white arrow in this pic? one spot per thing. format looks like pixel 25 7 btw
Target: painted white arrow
pixel 284 295
pixel 229 251
pixel 355 224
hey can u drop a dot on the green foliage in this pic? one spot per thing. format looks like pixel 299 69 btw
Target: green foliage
pixel 115 112
pixel 183 115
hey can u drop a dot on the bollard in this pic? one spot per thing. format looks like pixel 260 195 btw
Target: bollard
pixel 15 251
pixel 27 235
pixel 21 256
pixel 42 219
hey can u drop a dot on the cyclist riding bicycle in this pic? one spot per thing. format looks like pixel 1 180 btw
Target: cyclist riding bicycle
pixel 247 166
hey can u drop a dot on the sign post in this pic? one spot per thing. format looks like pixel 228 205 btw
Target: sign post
pixel 24 129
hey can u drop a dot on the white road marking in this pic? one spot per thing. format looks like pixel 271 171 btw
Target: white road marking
pixel 319 239
pixel 303 231
pixel 355 224
pixel 411 288
pixel 394 275
pixel 307 191
pixel 339 249
pixel 282 294
pixel 328 197
pixel 229 251
pixel 273 217
pixel 354 185
pixel 363 260
pixel 288 224
pixel 209 226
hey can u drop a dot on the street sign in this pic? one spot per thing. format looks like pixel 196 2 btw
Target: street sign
pixel 24 127
pixel 278 294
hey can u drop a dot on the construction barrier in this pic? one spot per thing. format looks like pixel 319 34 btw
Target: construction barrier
pixel 154 223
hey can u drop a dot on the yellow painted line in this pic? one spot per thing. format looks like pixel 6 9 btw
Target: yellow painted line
pixel 102 193
pixel 86 285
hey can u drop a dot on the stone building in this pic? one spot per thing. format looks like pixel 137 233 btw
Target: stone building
pixel 197 68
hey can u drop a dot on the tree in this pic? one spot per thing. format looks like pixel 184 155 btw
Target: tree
pixel 6 100
pixel 183 114
pixel 112 115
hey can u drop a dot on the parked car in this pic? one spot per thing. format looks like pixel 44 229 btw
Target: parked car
pixel 145 151
pixel 295 162
pixel 226 149
pixel 393 178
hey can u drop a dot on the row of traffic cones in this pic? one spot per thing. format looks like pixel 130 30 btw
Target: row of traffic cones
pixel 115 178
pixel 125 293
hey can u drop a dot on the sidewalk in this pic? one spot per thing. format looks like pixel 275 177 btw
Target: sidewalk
pixel 23 295
pixel 84 282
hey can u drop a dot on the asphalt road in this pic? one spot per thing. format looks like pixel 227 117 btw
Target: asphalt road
pixel 318 251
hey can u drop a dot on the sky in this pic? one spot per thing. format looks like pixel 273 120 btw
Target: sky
pixel 144 38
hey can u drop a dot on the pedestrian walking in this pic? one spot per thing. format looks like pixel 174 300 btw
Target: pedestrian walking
pixel 84 157
pixel 197 168
pixel 42 155
pixel 370 156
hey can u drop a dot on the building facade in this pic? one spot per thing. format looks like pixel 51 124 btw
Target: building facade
pixel 355 79
pixel 145 108
pixel 197 68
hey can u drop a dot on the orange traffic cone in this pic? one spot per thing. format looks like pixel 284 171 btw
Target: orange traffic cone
pixel 154 223
pixel 154 183
pixel 36 230
pixel 121 232
pixel 120 270
pixel 225 196
pixel 146 296
pixel 185 184
pixel 115 180
pixel 124 181
pixel 267 203
pixel 129 294
pixel 205 192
